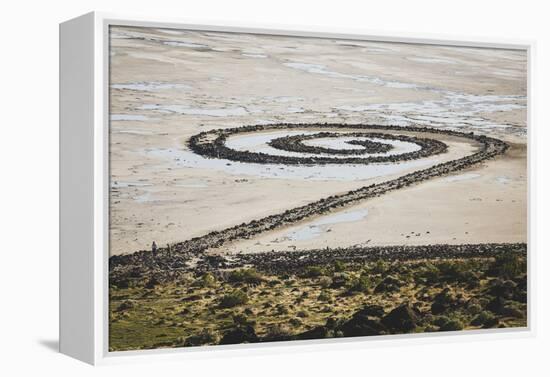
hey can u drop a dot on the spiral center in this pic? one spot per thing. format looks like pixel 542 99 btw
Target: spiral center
pixel 304 144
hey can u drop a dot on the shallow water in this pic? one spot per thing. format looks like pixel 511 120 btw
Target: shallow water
pixel 461 177
pixel 257 142
pixel 431 60
pixel 257 56
pixel 151 86
pixel 131 132
pixel 323 70
pixel 316 228
pixel 294 110
pixel 283 99
pixel 128 117
pixel 186 44
pixel 503 180
pixel 187 159
pixel 184 110
pixel 454 111
pixel 126 184
pixel 171 31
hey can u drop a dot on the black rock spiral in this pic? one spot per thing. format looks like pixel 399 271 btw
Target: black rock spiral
pixel 212 144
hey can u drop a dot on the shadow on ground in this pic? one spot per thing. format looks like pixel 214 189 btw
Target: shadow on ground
pixel 52 345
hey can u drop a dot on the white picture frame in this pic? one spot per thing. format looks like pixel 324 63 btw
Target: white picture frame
pixel 84 122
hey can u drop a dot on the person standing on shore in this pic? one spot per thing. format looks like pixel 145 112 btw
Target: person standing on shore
pixel 154 248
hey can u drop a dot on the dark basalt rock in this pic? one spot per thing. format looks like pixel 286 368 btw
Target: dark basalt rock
pixel 244 334
pixel 125 305
pixel 365 322
pixel 443 301
pixel 502 288
pixel 319 332
pixel 331 329
pixel 152 283
pixel 401 319
pixel 296 144
pixel 389 284
pixel 490 323
pixel 484 318
pixel 371 311
pixel 496 305
pixel 438 308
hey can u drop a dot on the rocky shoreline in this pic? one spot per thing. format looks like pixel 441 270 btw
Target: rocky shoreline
pixel 288 262
pixel 292 261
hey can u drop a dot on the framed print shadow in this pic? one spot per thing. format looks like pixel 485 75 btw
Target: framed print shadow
pixel 223 185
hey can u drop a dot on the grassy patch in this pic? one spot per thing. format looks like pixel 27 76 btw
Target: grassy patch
pixel 348 299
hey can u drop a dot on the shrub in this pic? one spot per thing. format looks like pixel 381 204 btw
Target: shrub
pixel 500 288
pixel 457 271
pixel 281 309
pixel 324 296
pixel 440 320
pixel 273 282
pixel 482 318
pixel 389 284
pixel 289 283
pixel 247 276
pixel 452 325
pixel 510 311
pixel 207 336
pixel 207 280
pixel 508 266
pixel 313 272
pixel 278 332
pixel 428 274
pixel 380 267
pixel 474 309
pixel 235 298
pixel 362 284
pixel 341 279
pixel 240 319
pixel 339 266
pixel 325 282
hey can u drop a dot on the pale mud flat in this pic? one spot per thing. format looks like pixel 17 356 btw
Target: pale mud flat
pixel 168 85
pixel 485 204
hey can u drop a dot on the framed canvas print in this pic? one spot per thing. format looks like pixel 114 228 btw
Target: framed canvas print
pixel 225 187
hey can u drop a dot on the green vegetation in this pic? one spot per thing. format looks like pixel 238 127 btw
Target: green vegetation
pixel 233 299
pixel 247 276
pixel 340 299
